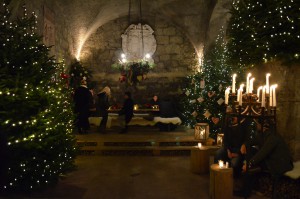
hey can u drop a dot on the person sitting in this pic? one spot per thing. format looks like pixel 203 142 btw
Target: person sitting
pixel 273 155
pixel 234 140
pixel 102 107
pixel 154 101
pixel 126 112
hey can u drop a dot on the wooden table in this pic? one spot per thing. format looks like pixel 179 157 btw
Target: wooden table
pixel 221 182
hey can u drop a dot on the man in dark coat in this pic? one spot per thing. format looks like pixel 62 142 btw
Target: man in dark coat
pixel 102 107
pixel 273 153
pixel 127 111
pixel 83 100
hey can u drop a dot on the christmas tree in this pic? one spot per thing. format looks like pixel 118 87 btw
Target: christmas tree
pixel 36 140
pixel 204 101
pixel 264 30
pixel 77 73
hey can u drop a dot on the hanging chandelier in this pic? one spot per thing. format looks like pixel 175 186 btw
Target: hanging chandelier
pixel 138 46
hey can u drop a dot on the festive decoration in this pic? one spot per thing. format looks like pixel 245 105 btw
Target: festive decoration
pixel 263 30
pixel 133 72
pixel 77 73
pixel 209 94
pixel 36 140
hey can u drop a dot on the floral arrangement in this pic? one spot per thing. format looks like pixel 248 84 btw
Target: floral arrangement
pixel 133 72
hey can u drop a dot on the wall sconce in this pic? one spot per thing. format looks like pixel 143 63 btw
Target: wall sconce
pixel 201 131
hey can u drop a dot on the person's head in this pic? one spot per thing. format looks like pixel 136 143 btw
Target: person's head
pixel 155 98
pixel 106 90
pixel 83 82
pixel 127 95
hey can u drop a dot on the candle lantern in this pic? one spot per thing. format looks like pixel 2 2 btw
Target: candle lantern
pixel 220 137
pixel 201 131
pixel 136 107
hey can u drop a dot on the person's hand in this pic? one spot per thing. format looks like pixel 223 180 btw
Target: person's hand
pixel 229 154
pixel 244 167
pixel 234 155
pixel 243 149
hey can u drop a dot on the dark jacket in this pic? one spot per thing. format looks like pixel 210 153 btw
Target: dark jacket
pixel 127 109
pixel 102 104
pixel 83 100
pixel 167 109
pixel 273 152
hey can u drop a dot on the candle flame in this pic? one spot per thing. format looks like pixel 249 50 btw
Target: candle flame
pixel 268 74
pixel 249 75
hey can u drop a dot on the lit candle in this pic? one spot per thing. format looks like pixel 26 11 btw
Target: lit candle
pixel 263 96
pixel 242 87
pixel 221 164
pixel 227 95
pixel 241 98
pixel 271 96
pixel 258 92
pixel 199 145
pixel 251 85
pixel 233 83
pixel 274 95
pixel 238 95
pixel 267 83
pixel 248 82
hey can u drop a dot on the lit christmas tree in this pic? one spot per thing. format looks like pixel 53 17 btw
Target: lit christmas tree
pixel 264 30
pixel 36 140
pixel 204 101
pixel 77 73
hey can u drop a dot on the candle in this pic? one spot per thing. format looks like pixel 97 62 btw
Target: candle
pixel 251 85
pixel 241 98
pixel 274 95
pixel 199 145
pixel 242 87
pixel 238 95
pixel 233 83
pixel 221 164
pixel 271 96
pixel 267 83
pixel 258 92
pixel 248 82
pixel 226 95
pixel 263 96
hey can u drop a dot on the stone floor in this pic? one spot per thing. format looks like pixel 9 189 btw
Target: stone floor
pixel 132 177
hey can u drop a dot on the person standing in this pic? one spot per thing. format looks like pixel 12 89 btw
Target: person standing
pixel 126 111
pixel 83 100
pixel 102 107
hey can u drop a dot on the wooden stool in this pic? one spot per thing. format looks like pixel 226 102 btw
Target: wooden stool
pixel 221 182
pixel 200 158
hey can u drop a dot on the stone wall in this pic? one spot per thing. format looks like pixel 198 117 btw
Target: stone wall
pixel 288 100
pixel 174 59
pixel 62 48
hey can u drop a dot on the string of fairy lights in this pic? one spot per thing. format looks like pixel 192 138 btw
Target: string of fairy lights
pixel 41 143
pixel 267 30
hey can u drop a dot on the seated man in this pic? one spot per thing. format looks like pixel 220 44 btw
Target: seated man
pixel 231 150
pixel 273 155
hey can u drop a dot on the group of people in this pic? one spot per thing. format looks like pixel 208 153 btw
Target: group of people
pixel 83 100
pixel 244 151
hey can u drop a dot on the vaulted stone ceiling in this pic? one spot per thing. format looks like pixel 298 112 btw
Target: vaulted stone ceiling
pixel 199 19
